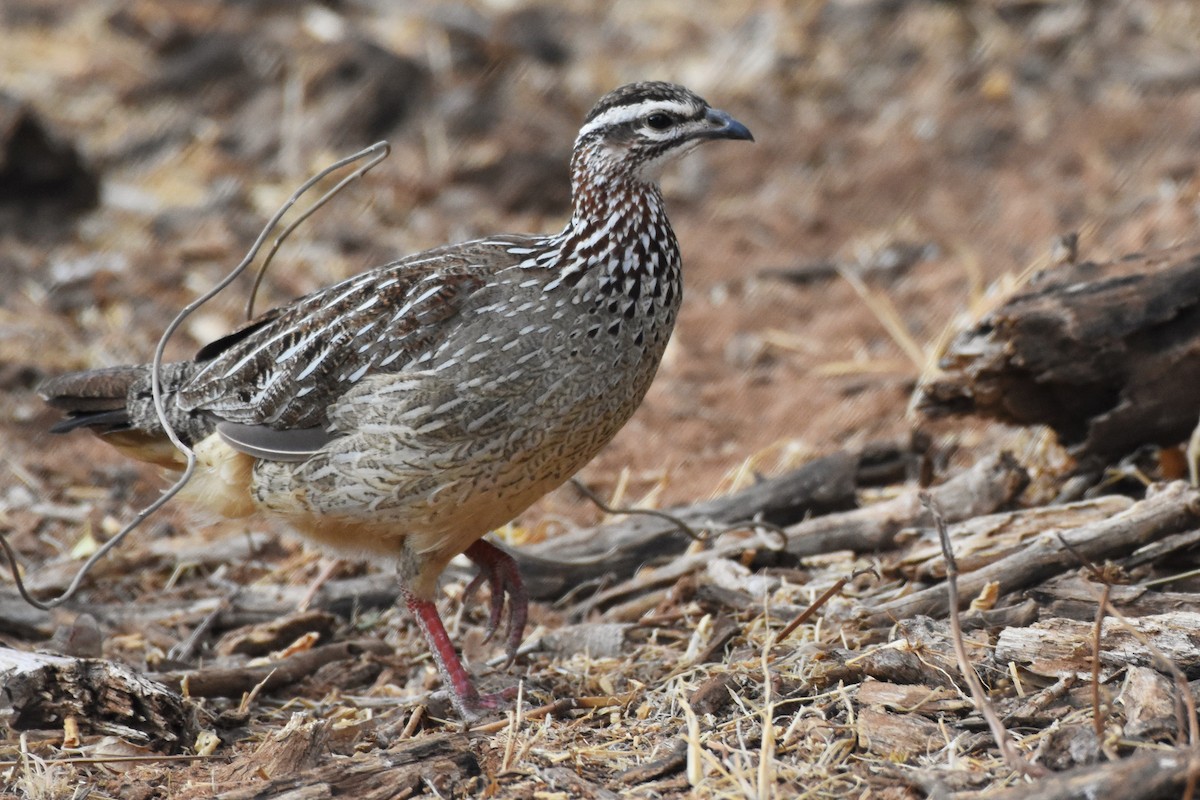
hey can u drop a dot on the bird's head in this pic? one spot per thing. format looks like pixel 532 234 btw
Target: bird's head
pixel 634 131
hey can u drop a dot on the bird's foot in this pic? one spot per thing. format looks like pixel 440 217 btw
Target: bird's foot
pixel 470 704
pixel 500 571
pixel 474 707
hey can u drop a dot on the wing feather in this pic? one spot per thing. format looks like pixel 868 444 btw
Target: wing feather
pixel 284 370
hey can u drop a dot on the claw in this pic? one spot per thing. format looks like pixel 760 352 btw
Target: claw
pixel 496 602
pixel 503 577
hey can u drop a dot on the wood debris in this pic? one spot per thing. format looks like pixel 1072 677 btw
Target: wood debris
pixel 784 630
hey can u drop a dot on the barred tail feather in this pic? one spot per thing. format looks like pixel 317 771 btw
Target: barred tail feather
pixel 96 399
pixel 117 405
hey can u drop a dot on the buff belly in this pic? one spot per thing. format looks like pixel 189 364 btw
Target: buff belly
pixel 425 516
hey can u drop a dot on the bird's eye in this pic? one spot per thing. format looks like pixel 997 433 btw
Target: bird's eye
pixel 659 121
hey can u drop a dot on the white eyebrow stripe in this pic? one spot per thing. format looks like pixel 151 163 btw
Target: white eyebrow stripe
pixel 622 114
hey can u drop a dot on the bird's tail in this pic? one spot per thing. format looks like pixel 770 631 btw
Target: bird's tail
pixel 97 399
pixel 117 404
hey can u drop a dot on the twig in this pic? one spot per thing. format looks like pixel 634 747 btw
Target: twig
pixel 1182 687
pixel 148 759
pixel 182 651
pixel 380 151
pixel 377 153
pixel 804 615
pixel 1098 717
pixel 755 524
pixel 1106 607
pixel 558 708
pixel 1015 760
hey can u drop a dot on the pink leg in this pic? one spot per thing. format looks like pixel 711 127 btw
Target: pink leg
pixel 504 579
pixel 469 702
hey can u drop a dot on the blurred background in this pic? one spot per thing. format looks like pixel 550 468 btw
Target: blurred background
pixel 912 160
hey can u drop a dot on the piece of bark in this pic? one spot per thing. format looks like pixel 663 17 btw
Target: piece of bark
pixel 263 639
pixel 1163 512
pixel 897 736
pixel 1062 647
pixel 80 638
pixel 674 761
pixel 1040 709
pixel 911 698
pixel 723 632
pixel 298 745
pixel 1069 745
pixel 1148 775
pixel 615 551
pixel 598 640
pixel 1106 354
pixel 1019 614
pixel 713 694
pixel 897 663
pixel 1150 700
pixel 235 681
pixel 41 691
pixel 444 762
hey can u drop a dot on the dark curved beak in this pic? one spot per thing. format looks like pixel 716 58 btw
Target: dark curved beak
pixel 723 126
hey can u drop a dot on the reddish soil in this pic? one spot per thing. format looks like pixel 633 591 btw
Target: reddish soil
pixel 935 149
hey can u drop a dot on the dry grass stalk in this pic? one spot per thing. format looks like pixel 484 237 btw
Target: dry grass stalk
pixel 1012 758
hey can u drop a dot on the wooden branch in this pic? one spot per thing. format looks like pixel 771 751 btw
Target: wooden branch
pixel 1074 596
pixel 981 540
pixel 444 763
pixel 616 551
pixel 18 618
pixel 1056 647
pixel 1149 775
pixel 989 485
pixel 1161 513
pixel 235 681
pixel 41 691
pixel 1106 354
pixel 1012 757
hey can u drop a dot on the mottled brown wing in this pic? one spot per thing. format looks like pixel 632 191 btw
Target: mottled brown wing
pixel 285 372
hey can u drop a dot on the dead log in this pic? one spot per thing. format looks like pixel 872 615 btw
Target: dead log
pixel 615 551
pixel 1164 512
pixel 984 539
pixel 1108 355
pixel 988 485
pixel 897 736
pixel 1074 596
pixel 41 691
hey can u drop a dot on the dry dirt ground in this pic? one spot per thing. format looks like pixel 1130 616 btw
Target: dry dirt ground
pixel 933 150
